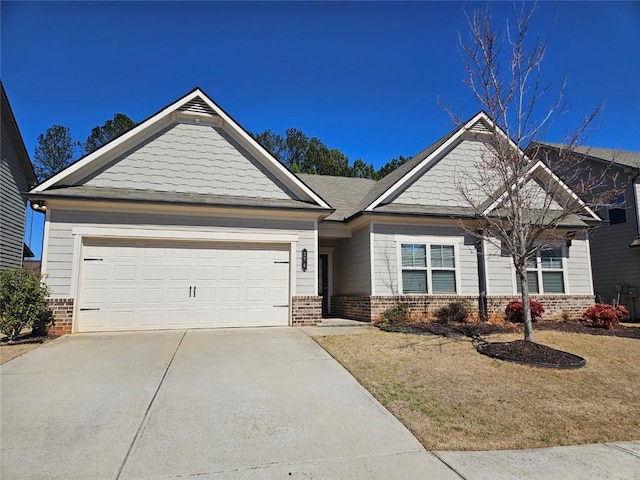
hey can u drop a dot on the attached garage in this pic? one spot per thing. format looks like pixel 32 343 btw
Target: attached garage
pixel 147 285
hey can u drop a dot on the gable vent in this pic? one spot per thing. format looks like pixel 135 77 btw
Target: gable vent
pixel 479 128
pixel 197 107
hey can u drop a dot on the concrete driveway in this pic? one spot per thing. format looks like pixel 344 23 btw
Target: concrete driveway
pixel 206 404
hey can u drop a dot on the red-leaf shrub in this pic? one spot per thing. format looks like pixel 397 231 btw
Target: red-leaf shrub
pixel 515 311
pixel 606 316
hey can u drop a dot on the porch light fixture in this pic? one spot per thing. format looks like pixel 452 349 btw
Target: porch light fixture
pixel 304 259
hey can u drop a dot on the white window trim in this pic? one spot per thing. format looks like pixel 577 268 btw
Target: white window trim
pixel 428 241
pixel 539 270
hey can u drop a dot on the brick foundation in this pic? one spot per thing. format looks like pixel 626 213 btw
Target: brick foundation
pixel 370 309
pixel 355 308
pixel 62 314
pixel 306 311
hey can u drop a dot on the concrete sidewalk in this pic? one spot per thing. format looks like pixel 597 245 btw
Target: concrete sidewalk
pixel 619 461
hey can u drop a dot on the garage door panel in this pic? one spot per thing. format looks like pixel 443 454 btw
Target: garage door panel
pixel 177 273
pixel 151 296
pixel 151 318
pixel 206 273
pixel 146 286
pixel 177 318
pixel 124 296
pixel 122 319
pixel 124 272
pixel 153 272
pixel 96 271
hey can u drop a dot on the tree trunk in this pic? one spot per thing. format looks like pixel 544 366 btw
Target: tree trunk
pixel 526 306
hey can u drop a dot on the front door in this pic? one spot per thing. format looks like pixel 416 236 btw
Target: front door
pixel 323 282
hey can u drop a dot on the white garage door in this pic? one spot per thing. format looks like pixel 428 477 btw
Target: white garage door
pixel 129 286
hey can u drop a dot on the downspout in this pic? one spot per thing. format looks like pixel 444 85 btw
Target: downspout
pixel 482 277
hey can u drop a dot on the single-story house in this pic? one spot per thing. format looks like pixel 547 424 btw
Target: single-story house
pixel 17 176
pixel 615 245
pixel 186 221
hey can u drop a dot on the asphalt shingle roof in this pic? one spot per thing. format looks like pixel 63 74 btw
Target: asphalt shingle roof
pixel 342 193
pixel 621 157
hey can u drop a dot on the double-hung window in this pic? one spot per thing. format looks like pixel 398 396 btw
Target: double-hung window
pixel 428 268
pixel 545 272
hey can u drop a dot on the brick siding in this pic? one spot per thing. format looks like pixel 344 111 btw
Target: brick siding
pixel 62 315
pixel 370 309
pixel 307 311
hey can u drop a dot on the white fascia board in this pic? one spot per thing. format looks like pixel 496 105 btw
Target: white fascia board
pixel 92 157
pixel 184 235
pixel 250 143
pixel 554 177
pixel 430 158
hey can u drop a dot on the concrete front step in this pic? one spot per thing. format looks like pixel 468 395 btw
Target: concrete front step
pixel 341 322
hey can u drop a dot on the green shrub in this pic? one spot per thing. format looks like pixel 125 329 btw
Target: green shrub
pixel 23 303
pixel 454 312
pixel 399 313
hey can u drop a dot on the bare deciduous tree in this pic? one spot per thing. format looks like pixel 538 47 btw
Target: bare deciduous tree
pixel 519 203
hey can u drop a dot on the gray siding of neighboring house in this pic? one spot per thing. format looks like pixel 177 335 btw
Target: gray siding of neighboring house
pixel 58 263
pixel 385 251
pixel 353 272
pixel 501 275
pixel 191 158
pixel 12 205
pixel 613 261
pixel 441 185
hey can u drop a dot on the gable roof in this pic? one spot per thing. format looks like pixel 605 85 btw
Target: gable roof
pixel 406 173
pixel 195 105
pixel 12 125
pixel 540 169
pixel 352 197
pixel 621 157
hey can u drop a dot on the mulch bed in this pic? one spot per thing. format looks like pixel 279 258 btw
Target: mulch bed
pixel 531 353
pixel 22 339
pixel 583 327
pixel 475 330
pixel 519 351
pixel 472 330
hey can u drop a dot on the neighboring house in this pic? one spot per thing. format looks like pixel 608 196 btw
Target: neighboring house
pixel 185 222
pixel 17 176
pixel 615 245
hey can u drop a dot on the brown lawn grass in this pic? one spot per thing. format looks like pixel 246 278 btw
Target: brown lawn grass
pixel 9 352
pixel 453 398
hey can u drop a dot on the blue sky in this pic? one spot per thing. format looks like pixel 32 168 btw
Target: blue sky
pixel 363 77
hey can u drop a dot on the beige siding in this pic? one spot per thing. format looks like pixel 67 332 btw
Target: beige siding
pixel 191 159
pixel 441 184
pixel 499 270
pixel 578 276
pixel 59 257
pixel 12 205
pixel 353 272
pixel 385 249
